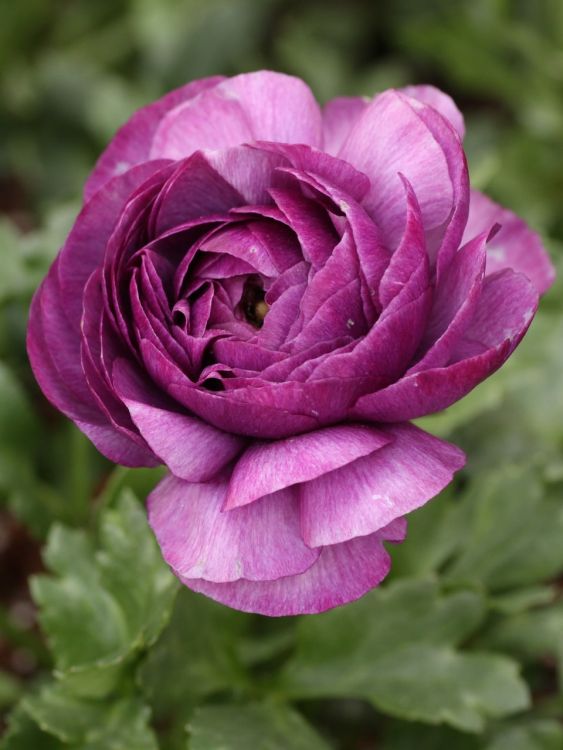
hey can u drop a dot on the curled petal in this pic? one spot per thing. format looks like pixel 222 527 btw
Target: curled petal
pixel 440 101
pixel 507 305
pixel 515 246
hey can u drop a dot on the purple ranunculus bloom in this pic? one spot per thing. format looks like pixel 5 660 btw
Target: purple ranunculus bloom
pixel 260 294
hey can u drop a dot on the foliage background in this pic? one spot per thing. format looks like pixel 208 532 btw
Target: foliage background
pixel 463 645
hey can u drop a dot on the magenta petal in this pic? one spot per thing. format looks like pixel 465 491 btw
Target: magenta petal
pixel 342 573
pixel 440 101
pixel 190 448
pixel 455 301
pixel 116 447
pixel 515 246
pixel 250 107
pixel 368 494
pixel 339 117
pixel 132 143
pixel 268 467
pixel 85 246
pixel 260 542
pixel 506 307
pixel 390 138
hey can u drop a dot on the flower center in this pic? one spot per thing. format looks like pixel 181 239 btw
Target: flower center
pixel 252 304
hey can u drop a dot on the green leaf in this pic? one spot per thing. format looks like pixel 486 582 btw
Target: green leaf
pixel 256 726
pixel 513 531
pixel 24 734
pixel 10 690
pixel 338 651
pixel 396 647
pixel 530 635
pixel 103 605
pixel 116 724
pixel 196 656
pixel 538 735
pixel 434 534
pixel 437 684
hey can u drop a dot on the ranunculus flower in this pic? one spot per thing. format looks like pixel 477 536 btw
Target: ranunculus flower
pixel 260 293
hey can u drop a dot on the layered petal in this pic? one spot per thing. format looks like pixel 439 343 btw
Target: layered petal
pixel 250 107
pixel 515 246
pixel 258 543
pixel 267 467
pixel 132 143
pixel 367 494
pixel 507 305
pixel 342 573
pixel 389 138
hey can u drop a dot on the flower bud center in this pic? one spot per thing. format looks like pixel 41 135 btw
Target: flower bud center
pixel 253 305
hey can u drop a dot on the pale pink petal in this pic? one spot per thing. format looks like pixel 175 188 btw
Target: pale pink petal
pixel 259 542
pixel 339 117
pixel 250 107
pixel 440 101
pixel 268 467
pixel 390 138
pixel 515 246
pixel 342 573
pixel 368 494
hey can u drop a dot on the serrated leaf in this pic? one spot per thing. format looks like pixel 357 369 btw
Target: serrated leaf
pixel 396 647
pixel 116 724
pixel 24 734
pixel 256 726
pixel 106 603
pixel 513 531
pixel 338 651
pixel 438 684
pixel 196 655
pixel 538 735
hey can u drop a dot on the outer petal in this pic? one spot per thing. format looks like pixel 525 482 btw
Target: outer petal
pixel 440 101
pixel 132 143
pixel 339 117
pixel 249 107
pixel 391 138
pixel 85 246
pixel 366 495
pixel 507 305
pixel 54 352
pixel 192 449
pixel 268 467
pixel 260 542
pixel 342 573
pixel 341 114
pixel 515 246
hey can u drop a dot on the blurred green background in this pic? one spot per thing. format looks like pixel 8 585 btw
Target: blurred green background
pixel 463 645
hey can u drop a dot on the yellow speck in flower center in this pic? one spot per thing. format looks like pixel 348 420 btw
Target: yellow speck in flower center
pixel 253 306
pixel 260 311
